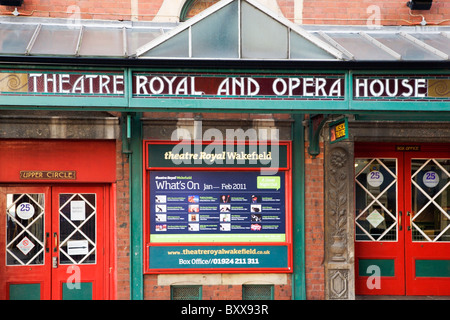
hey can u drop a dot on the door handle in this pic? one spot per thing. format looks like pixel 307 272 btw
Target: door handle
pixel 47 235
pixel 55 236
pixel 409 214
pixel 400 219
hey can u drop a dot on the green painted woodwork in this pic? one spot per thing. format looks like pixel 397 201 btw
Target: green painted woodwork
pixel 398 116
pixel 433 268
pixel 298 209
pixel 26 291
pixel 387 267
pixel 78 291
pixel 136 209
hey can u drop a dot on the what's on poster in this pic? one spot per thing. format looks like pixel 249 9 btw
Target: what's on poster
pixel 217 216
pixel 205 206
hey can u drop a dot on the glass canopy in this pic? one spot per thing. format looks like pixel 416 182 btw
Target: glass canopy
pixel 239 29
pixel 228 30
pixel 48 37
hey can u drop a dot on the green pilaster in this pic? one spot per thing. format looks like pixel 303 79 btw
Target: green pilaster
pixel 298 201
pixel 136 259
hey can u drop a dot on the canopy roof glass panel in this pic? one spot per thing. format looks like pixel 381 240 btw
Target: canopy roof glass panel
pixel 301 48
pixel 14 39
pixel 56 40
pixel 405 47
pixel 178 47
pixel 137 37
pixel 358 46
pixel 440 41
pixel 212 39
pixel 102 42
pixel 262 36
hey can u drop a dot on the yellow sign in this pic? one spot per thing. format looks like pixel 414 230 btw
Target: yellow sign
pixel 339 130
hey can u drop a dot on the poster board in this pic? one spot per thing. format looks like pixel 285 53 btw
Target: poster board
pixel 221 215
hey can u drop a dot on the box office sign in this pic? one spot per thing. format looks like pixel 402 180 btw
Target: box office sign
pixel 401 87
pixel 339 130
pixel 246 86
pixel 218 216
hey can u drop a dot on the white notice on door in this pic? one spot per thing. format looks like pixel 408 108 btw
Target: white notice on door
pixel 75 247
pixel 77 211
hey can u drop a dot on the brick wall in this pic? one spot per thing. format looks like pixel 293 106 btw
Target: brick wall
pixel 346 12
pixel 122 225
pixel 314 226
pixel 154 291
pixel 361 12
pixel 287 8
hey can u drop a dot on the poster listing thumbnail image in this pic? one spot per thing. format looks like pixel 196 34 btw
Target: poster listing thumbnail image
pixel 198 206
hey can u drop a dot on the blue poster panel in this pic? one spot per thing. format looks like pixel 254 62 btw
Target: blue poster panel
pixel 217 206
pixel 218 257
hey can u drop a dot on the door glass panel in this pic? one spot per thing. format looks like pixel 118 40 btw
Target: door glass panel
pixel 77 224
pixel 430 199
pixel 376 199
pixel 25 229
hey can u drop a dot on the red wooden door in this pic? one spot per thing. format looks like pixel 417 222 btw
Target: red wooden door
pixel 379 231
pixel 52 242
pixel 427 239
pixel 415 258
pixel 25 256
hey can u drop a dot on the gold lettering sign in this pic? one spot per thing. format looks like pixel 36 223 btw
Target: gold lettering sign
pixel 340 131
pixel 48 175
pixel 407 148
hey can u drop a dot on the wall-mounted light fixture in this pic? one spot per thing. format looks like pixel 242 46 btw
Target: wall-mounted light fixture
pixel 419 4
pixel 12 3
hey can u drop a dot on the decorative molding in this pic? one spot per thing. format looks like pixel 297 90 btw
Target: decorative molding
pixel 339 229
pixel 337 204
pixel 338 284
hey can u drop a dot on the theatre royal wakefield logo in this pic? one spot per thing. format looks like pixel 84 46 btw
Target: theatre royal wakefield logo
pixel 245 86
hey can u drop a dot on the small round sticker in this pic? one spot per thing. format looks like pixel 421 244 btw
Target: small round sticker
pixel 431 179
pixel 375 178
pixel 25 210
